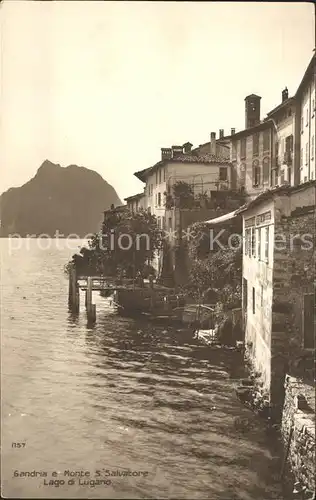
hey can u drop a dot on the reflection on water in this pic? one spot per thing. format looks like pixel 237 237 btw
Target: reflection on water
pixel 124 395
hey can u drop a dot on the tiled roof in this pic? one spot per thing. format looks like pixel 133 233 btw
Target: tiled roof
pixel 134 197
pixel 184 158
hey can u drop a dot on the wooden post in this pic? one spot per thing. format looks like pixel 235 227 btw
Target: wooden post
pixel 73 293
pixel 91 308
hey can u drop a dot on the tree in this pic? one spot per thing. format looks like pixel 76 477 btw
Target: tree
pixel 126 244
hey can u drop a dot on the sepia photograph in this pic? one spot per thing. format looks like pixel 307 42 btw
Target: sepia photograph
pixel 157 250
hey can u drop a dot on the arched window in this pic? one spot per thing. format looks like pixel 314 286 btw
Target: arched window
pixel 266 169
pixel 255 173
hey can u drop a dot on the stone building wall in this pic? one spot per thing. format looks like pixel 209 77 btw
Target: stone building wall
pixel 301 454
pixel 294 275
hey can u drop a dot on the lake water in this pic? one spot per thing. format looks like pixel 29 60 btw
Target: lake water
pixel 141 401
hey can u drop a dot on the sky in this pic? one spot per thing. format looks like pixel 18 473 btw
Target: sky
pixel 105 85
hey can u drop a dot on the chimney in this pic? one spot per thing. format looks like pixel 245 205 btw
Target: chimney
pixel 187 147
pixel 177 151
pixel 221 133
pixel 213 143
pixel 252 110
pixel 232 131
pixel 166 153
pixel 285 94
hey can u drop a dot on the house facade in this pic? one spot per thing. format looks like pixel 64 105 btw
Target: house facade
pixel 136 203
pixel 278 290
pixel 306 126
pixel 286 143
pixel 205 174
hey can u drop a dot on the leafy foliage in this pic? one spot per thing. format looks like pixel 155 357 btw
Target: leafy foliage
pixel 126 244
pixel 218 270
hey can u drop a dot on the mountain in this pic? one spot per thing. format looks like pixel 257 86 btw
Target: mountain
pixel 64 199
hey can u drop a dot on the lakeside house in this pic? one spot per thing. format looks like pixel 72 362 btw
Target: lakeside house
pixel 278 282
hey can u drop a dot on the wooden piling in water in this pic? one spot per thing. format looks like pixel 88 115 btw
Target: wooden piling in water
pixel 91 308
pixel 73 292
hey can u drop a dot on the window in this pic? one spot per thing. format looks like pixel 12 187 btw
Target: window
pixel 156 177
pixel 156 199
pixel 243 148
pixel 266 169
pixel 159 199
pixel 234 150
pixel 306 117
pixel 164 175
pixel 255 173
pixel 170 223
pixel 248 242
pixel 266 245
pixel 266 140
pixel 160 176
pixel 302 124
pixel 309 320
pixel 313 106
pixel 259 242
pixel 289 143
pixel 255 144
pixel 223 174
pixel 306 153
pixel 282 177
pixel 253 242
pixel 253 300
pixel 312 147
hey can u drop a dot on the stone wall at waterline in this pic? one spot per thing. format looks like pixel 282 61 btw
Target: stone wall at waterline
pixel 299 414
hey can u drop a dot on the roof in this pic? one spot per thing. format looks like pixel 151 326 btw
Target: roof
pixel 281 106
pixel 270 193
pixel 307 73
pixel 222 218
pixel 206 159
pixel 251 130
pixel 134 197
pixel 218 143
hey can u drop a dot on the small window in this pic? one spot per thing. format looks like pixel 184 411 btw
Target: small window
pixel 223 174
pixel 312 147
pixel 164 175
pixel 266 169
pixel 266 140
pixel 289 143
pixel 266 242
pixel 302 124
pixel 253 242
pixel 306 117
pixel 306 153
pixel 255 144
pixel 255 173
pixel 309 320
pixel 259 242
pixel 160 176
pixel 282 176
pixel 234 150
pixel 253 300
pixel 159 199
pixel 243 148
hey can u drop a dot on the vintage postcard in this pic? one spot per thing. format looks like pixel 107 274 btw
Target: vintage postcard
pixel 157 224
